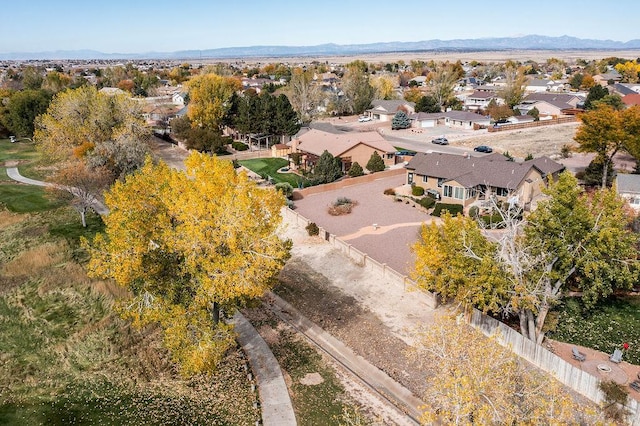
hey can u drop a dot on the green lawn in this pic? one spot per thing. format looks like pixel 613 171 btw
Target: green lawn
pixel 604 328
pixel 270 166
pixel 17 151
pixel 25 198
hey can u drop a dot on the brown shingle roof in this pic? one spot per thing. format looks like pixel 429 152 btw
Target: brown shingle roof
pixel 316 141
pixel 472 171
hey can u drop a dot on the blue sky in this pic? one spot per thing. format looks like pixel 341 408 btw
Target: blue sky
pixel 134 26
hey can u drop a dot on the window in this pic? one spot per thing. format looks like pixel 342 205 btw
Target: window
pixel 502 192
pixel 440 182
pixel 453 192
pixel 390 156
pixel 410 178
pixel 425 179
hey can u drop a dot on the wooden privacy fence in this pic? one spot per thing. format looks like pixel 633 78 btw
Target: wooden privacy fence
pixel 569 375
pixel 559 120
pixel 359 257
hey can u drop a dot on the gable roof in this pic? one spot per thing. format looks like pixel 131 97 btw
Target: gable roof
pixel 390 106
pixel 481 94
pixel 465 116
pixel 632 99
pixel 627 184
pixel 316 141
pixel 473 171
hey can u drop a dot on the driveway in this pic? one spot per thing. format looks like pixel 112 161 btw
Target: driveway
pixel 397 224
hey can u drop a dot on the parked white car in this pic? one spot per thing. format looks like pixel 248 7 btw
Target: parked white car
pixel 364 119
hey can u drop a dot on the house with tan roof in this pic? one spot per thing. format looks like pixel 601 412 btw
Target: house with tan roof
pixel 384 110
pixel 469 180
pixel 480 100
pixel 549 104
pixel 350 147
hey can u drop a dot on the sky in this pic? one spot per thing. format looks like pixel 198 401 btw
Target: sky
pixel 136 26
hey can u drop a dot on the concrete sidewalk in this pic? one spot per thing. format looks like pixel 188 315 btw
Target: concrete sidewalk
pixel 275 402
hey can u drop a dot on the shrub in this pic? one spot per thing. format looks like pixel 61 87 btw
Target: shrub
pixel 493 220
pixel 418 191
pixel 342 201
pixel 342 206
pixel 473 211
pixel 426 202
pixel 239 146
pixel 312 229
pixel 454 209
pixel 285 188
pixel 565 151
pixel 389 191
pixel 375 163
pixel 356 170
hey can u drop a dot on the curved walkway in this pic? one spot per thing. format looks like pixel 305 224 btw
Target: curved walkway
pixel 14 174
pixel 275 402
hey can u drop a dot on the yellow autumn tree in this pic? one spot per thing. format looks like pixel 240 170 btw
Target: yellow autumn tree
pixel 629 70
pixel 79 120
pixel 187 244
pixel 209 96
pixel 475 380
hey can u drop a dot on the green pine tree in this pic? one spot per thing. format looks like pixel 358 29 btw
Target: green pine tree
pixel 375 163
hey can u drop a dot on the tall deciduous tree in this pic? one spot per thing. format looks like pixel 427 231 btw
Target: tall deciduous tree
pixel 569 239
pixel 81 186
pixel 385 87
pixel 441 82
pixel 209 99
pixel 474 380
pixel 186 244
pixel 303 93
pixel 606 131
pixel 513 89
pixel 357 89
pixel 20 113
pixel 79 120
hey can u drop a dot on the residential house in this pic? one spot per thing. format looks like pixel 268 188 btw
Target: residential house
pixel 604 79
pixel 179 98
pixel 631 99
pixel 549 104
pixel 480 99
pixel 419 80
pixel 384 110
pixel 519 119
pixel 464 179
pixel 628 187
pixel 350 147
pixel 464 119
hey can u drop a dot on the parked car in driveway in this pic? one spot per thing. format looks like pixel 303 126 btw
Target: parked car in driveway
pixel 364 119
pixel 483 148
pixel 440 141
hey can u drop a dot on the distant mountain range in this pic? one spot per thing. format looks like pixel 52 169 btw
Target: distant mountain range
pixel 528 42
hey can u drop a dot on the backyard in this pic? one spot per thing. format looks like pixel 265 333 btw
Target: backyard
pixel 603 328
pixel 268 167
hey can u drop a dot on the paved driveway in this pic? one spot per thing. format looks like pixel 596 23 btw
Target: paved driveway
pixel 398 224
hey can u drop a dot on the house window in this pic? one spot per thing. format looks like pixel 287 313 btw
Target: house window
pixel 390 156
pixel 409 178
pixel 471 193
pixel 453 192
pixel 440 182
pixel 425 179
pixel 502 192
